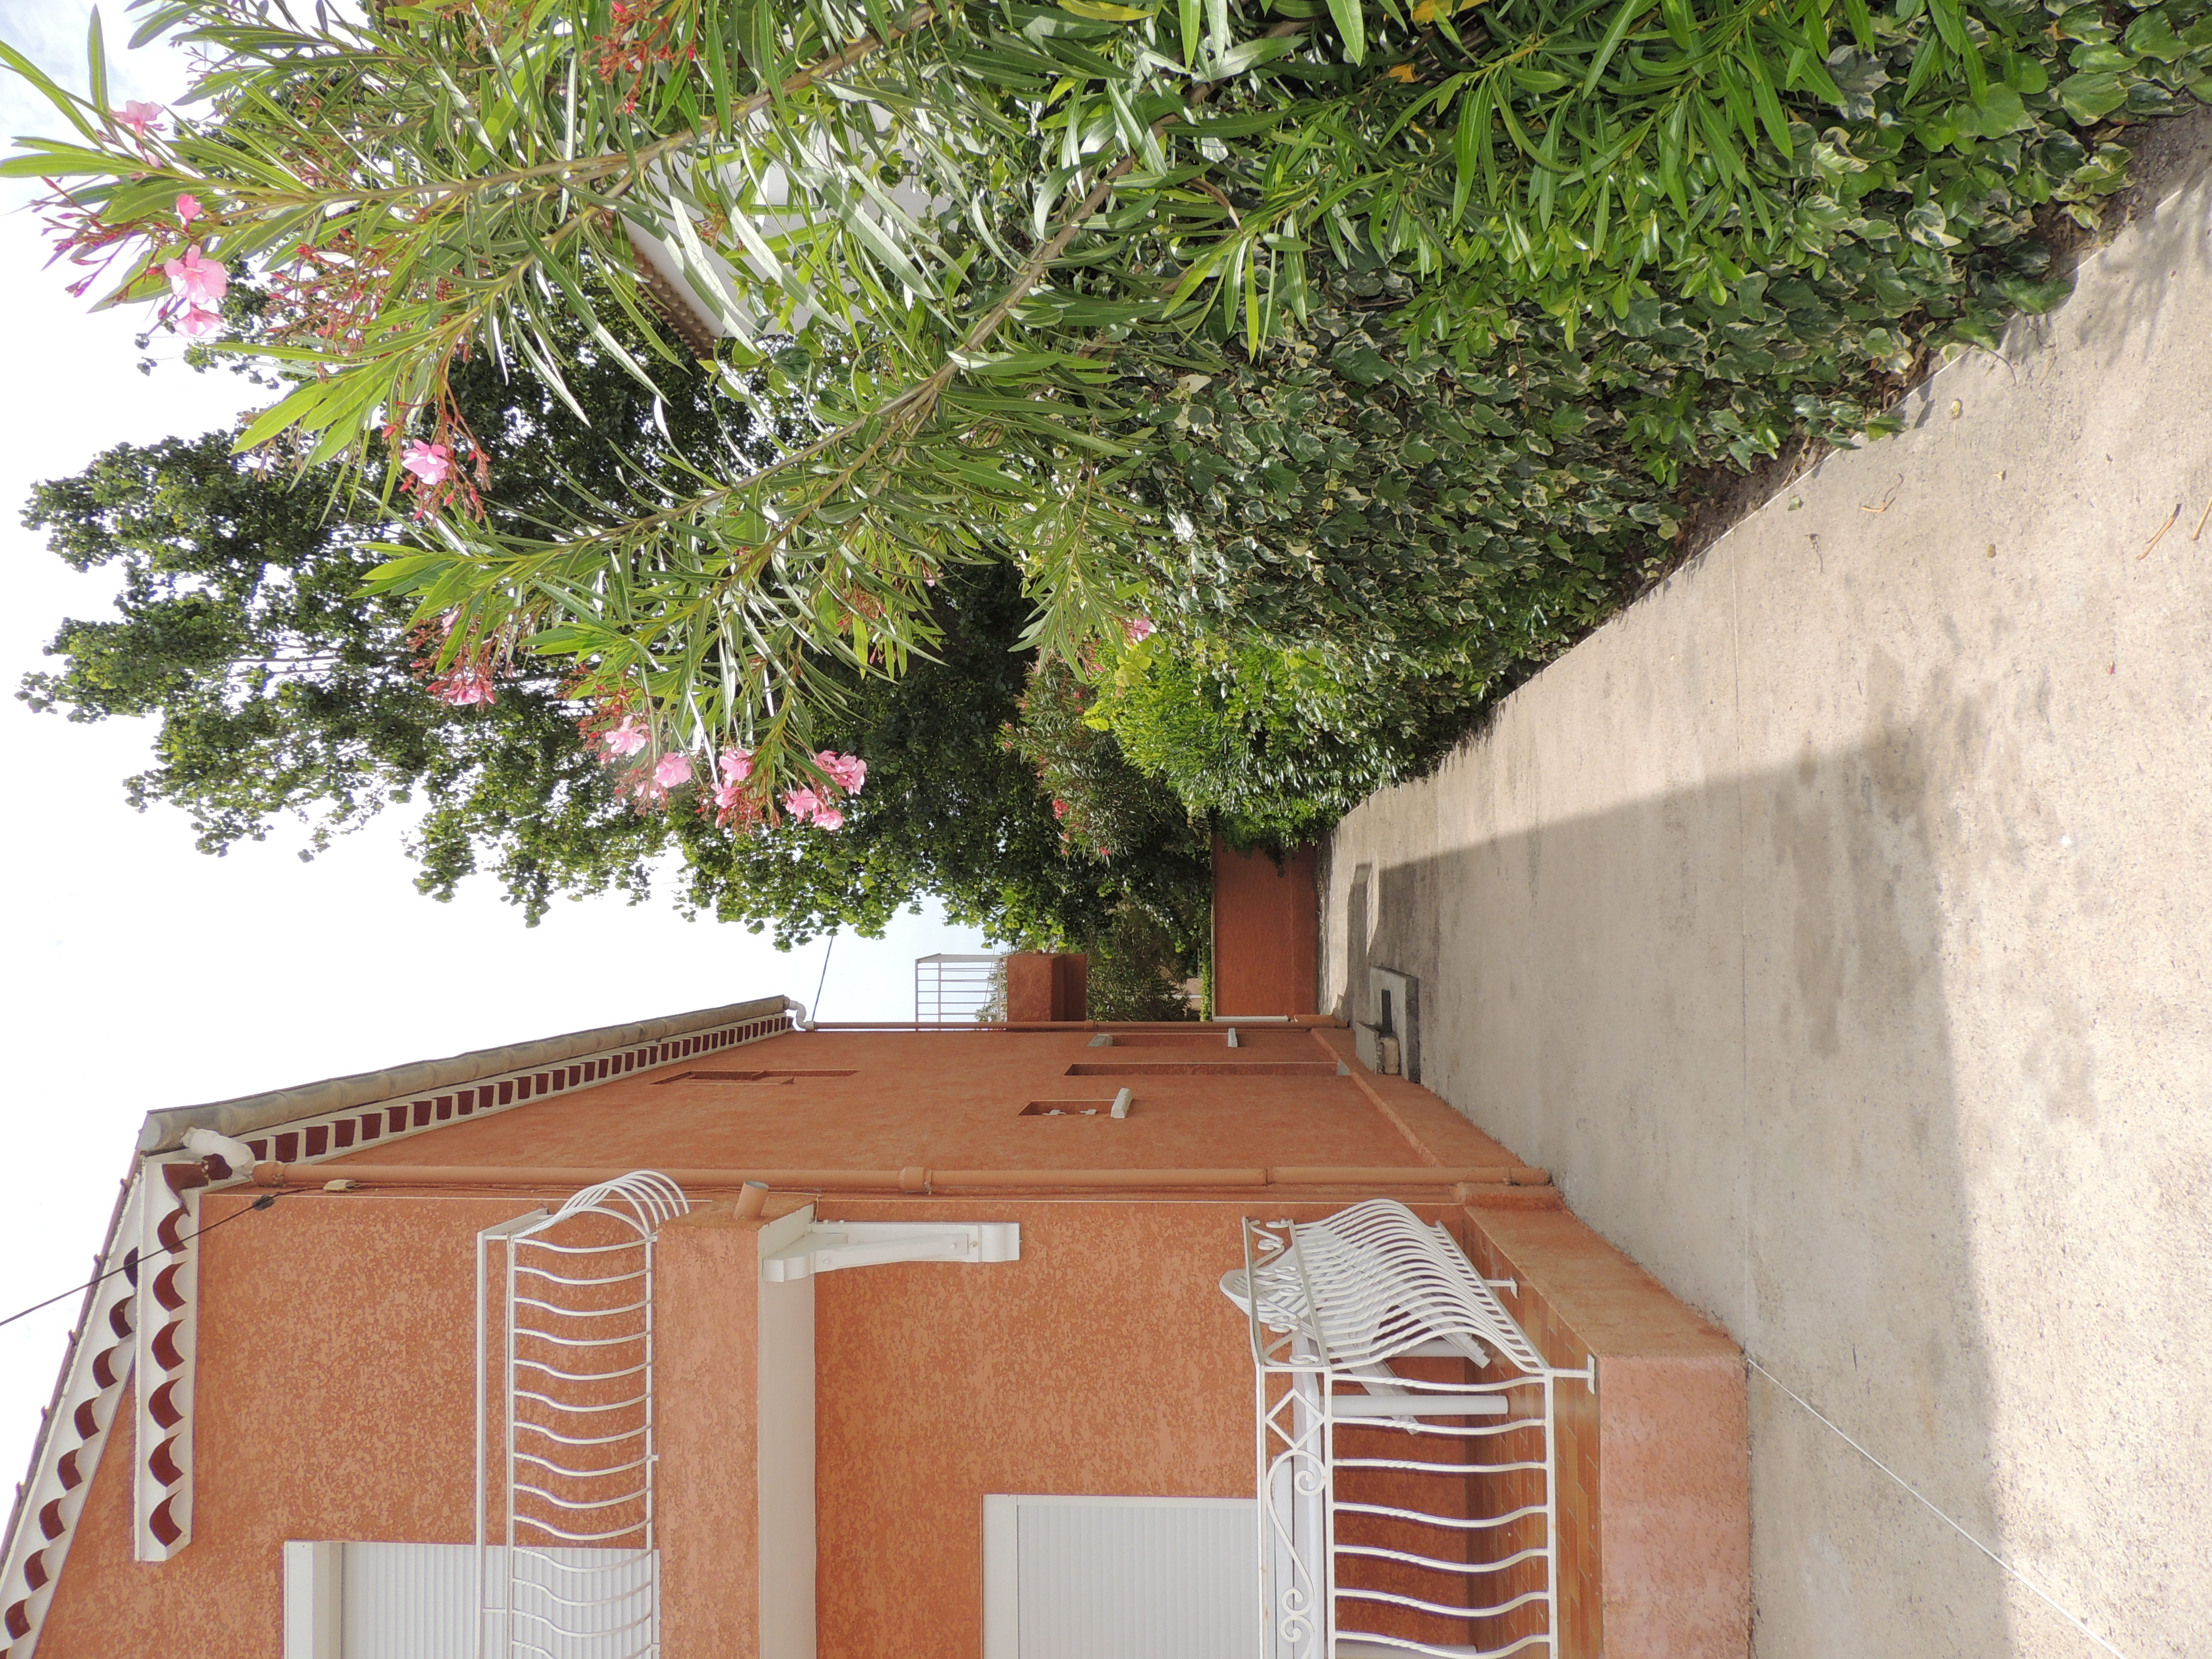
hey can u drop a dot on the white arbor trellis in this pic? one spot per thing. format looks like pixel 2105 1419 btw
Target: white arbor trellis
pixel 568 1563
pixel 1336 1304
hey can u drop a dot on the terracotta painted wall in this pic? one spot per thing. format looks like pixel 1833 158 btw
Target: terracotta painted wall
pixel 1043 986
pixel 335 1375
pixel 333 1402
pixel 706 1313
pixel 1106 1361
pixel 887 1100
pixel 1266 923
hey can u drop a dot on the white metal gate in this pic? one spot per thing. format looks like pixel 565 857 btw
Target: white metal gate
pixel 1469 1509
pixel 566 1563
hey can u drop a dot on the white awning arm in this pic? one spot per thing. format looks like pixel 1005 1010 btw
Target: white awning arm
pixel 826 1246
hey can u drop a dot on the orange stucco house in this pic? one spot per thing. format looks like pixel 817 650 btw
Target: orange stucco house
pixel 730 1335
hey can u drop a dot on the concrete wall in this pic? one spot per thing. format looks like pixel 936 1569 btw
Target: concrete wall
pixel 1837 925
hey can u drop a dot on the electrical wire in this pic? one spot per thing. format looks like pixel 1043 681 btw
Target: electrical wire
pixel 260 1203
pixel 2056 1605
pixel 825 980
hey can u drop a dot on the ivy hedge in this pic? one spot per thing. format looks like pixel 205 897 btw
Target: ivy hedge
pixel 1442 478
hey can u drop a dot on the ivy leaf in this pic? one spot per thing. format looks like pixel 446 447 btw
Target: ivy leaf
pixel 2001 111
pixel 2151 35
pixel 2100 59
pixel 2090 98
pixel 2025 294
pixel 1361 363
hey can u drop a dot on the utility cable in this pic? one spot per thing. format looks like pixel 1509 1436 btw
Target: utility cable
pixel 260 1203
pixel 825 980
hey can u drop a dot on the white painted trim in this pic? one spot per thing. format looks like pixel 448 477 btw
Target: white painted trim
pixel 828 1245
pixel 79 1395
pixel 1002 1584
pixel 784 1469
pixel 178 1330
pixel 314 1600
pixel 252 1114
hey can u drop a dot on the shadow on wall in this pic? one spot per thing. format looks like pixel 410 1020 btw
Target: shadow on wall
pixel 1717 1015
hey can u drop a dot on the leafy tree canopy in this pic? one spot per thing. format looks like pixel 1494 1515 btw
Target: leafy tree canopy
pixel 284 693
pixel 952 255
pixel 1361 349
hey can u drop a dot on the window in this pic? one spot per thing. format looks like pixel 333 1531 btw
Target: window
pixel 418 1600
pixel 1107 1577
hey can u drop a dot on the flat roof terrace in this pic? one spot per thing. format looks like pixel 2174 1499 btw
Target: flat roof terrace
pixel 829 1099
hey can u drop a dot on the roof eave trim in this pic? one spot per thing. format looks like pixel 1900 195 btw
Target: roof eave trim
pixel 164 1131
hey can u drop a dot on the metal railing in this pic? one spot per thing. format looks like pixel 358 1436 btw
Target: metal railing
pixel 1469 1511
pixel 572 1447
pixel 951 987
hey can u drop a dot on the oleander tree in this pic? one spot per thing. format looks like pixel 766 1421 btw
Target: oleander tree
pixel 958 260
pixel 289 701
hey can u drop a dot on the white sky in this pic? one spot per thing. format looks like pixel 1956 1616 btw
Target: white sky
pixel 139 973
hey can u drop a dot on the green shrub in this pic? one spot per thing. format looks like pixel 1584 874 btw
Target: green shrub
pixel 1451 469
pixel 1145 845
pixel 1137 969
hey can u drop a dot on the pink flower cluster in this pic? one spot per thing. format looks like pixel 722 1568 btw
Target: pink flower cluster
pixel 726 790
pixel 816 804
pixel 466 684
pixel 430 463
pixel 199 283
pixel 626 738
pixel 729 792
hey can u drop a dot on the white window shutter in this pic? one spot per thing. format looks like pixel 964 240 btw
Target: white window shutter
pixel 1107 1577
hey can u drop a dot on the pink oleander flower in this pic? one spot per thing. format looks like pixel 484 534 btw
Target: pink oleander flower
pixel 737 765
pixel 1059 807
pixel 848 772
pixel 1139 628
pixel 465 685
pixel 139 118
pixel 628 738
pixel 196 322
pixel 431 463
pixel 198 280
pixel 189 208
pixel 672 769
pixel 807 806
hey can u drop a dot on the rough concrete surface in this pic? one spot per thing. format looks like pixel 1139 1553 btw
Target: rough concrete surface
pixel 1835 926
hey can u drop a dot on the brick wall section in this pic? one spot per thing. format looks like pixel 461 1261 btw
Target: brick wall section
pixel 1044 986
pixel 1654 1498
pixel 1266 933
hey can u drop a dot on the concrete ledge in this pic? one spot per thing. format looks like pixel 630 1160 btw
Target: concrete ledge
pixel 1654 1499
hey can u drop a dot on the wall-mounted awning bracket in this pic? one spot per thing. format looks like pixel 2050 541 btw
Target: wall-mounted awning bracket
pixel 827 1246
